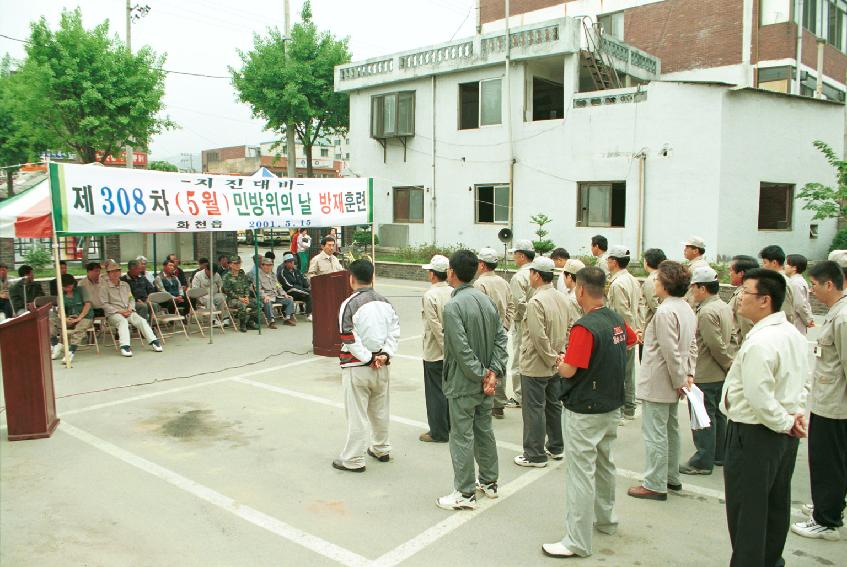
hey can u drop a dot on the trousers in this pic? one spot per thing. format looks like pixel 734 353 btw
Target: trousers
pixel 710 441
pixel 828 468
pixel 122 323
pixel 660 427
pixel 437 409
pixel 517 335
pixel 366 405
pixel 472 439
pixel 542 417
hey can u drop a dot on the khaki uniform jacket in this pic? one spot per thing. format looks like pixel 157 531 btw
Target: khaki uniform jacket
pixel 433 302
pixel 670 352
pixel 91 292
pixel 500 293
pixel 115 298
pixel 521 292
pixel 714 329
pixel 802 308
pixel 649 301
pixel 545 332
pixel 624 297
pixel 829 380
pixel 322 264
pixel 740 325
pixel 788 304
pixel 574 312
pixel 693 265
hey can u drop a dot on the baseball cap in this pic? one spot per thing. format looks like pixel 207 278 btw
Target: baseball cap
pixel 488 255
pixel 696 242
pixel 573 265
pixel 288 257
pixel 839 257
pixel 704 274
pixel 618 251
pixel 523 246
pixel 438 263
pixel 542 264
pixel 235 259
pixel 111 266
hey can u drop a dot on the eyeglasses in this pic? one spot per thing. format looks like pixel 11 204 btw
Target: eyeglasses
pixel 745 292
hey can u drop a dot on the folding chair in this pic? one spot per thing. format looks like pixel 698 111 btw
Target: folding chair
pixel 46 299
pixel 195 294
pixel 162 298
pixel 112 333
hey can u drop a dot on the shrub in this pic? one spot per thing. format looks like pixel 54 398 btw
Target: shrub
pixel 840 240
pixel 363 238
pixel 38 257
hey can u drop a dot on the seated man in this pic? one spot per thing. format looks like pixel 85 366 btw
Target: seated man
pixel 120 310
pixel 177 270
pixel 90 286
pixel 78 318
pixel 5 304
pixel 63 269
pixel 142 265
pixel 294 282
pixel 202 279
pixel 23 293
pixel 169 282
pixel 139 288
pixel 271 292
pixel 238 290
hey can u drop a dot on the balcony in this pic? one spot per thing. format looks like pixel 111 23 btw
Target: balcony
pixel 553 37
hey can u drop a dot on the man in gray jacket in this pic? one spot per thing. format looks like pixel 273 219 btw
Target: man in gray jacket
pixel 523 253
pixel 474 358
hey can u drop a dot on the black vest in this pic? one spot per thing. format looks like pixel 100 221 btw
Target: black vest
pixel 600 387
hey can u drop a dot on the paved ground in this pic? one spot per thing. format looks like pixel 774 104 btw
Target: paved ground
pixel 226 461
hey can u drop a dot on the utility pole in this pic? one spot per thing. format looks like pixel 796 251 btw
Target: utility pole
pixel 508 97
pixel 290 149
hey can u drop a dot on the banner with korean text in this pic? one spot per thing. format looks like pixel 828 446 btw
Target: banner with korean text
pixel 98 200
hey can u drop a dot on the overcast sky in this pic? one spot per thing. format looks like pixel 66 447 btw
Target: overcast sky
pixel 202 36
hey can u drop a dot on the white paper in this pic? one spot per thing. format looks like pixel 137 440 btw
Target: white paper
pixel 699 416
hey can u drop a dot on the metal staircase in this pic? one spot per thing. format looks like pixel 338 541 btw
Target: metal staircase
pixel 595 61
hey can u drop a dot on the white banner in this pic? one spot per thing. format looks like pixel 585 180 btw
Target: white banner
pixel 94 200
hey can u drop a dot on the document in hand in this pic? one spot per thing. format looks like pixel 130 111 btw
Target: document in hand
pixel 699 417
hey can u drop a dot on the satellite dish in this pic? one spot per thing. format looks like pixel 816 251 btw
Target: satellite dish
pixel 505 235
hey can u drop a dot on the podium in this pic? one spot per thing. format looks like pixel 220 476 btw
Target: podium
pixel 328 293
pixel 28 375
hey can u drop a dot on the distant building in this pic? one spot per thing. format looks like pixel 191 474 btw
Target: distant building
pixel 246 160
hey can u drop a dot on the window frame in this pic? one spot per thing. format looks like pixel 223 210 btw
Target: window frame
pixel 494 204
pixel 377 117
pixel 479 124
pixel 789 203
pixel 583 221
pixel 395 191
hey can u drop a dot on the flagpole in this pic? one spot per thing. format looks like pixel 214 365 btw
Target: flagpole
pixel 60 290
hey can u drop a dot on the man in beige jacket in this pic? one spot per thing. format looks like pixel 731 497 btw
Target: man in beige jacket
pixel 543 340
pixel 495 287
pixel 437 411
pixel 624 298
pixel 325 261
pixel 740 325
pixel 695 255
pixel 524 254
pixel 773 258
pixel 714 329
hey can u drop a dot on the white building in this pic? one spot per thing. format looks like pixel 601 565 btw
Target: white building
pixel 644 165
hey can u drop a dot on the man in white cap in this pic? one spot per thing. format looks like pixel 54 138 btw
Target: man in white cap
pixel 573 310
pixel 524 254
pixel 496 288
pixel 437 411
pixel 840 258
pixel 713 333
pixel 544 336
pixel 694 252
pixel 624 298
pixel 568 277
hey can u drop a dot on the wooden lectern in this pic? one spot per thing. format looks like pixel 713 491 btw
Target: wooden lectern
pixel 328 293
pixel 28 375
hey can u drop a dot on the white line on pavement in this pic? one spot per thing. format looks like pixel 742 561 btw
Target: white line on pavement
pixel 247 513
pixel 692 488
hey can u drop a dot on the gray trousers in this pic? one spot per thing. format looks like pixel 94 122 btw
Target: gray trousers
pixel 629 383
pixel 542 417
pixel 710 442
pixel 500 397
pixel 589 478
pixel 661 445
pixel 437 411
pixel 472 439
pixel 366 405
pixel 517 335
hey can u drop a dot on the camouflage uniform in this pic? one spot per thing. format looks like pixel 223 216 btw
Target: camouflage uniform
pixel 236 287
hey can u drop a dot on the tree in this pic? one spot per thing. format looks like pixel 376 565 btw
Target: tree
pixel 162 166
pixel 297 88
pixel 827 202
pixel 19 142
pixel 88 92
pixel 542 245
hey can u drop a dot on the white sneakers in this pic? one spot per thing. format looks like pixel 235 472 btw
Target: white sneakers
pixel 555 456
pixel 522 461
pixel 56 351
pixel 126 351
pixel 156 346
pixel 489 489
pixel 457 501
pixel 557 550
pixel 309 318
pixel 814 530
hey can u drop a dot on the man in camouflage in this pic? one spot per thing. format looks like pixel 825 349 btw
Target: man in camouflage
pixel 239 294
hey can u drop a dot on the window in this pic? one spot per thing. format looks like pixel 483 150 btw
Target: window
pixel 324 152
pixel 775 206
pixel 347 156
pixel 338 156
pixel 408 204
pixel 810 15
pixel 393 115
pixel 775 79
pixel 612 24
pixel 601 203
pixel 480 104
pixel 548 99
pixel 492 204
pixel 835 26
pixel 774 11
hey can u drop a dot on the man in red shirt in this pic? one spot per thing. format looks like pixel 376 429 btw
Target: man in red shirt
pixel 593 369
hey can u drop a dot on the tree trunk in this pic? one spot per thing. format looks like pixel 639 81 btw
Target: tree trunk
pixel 307 148
pixel 10 186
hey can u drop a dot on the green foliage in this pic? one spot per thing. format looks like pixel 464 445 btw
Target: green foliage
pixel 297 86
pixel 19 141
pixel 38 257
pixel 363 238
pixel 162 166
pixel 422 254
pixel 840 240
pixel 827 202
pixel 87 92
pixel 542 245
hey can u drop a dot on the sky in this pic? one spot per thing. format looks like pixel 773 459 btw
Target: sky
pixel 204 36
